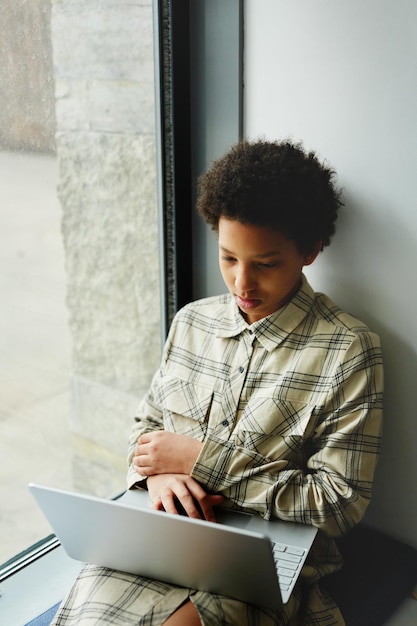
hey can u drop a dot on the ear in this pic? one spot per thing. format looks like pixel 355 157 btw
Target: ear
pixel 311 256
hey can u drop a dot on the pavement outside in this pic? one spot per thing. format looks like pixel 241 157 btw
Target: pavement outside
pixel 34 347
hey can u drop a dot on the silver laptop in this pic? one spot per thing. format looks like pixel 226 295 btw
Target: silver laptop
pixel 241 555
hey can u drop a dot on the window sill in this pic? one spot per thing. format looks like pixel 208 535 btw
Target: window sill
pixel 35 580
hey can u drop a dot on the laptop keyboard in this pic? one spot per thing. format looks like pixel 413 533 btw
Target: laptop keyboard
pixel 288 560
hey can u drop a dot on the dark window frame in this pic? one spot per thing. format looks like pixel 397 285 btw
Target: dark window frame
pixel 198 51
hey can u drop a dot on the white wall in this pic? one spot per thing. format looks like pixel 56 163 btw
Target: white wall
pixel 341 75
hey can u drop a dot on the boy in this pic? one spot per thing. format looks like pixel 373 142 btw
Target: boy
pixel 268 398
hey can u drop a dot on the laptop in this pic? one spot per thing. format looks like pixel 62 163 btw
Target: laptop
pixel 241 555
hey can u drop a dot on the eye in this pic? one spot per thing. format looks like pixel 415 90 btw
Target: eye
pixel 267 265
pixel 228 259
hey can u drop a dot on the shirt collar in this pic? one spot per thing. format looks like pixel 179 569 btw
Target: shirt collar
pixel 273 329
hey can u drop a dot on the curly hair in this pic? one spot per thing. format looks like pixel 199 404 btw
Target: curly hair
pixel 275 185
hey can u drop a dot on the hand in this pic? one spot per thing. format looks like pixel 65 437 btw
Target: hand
pixel 168 491
pixel 162 452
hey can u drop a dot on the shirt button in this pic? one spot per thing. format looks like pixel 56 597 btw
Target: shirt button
pixel 225 423
pixel 241 369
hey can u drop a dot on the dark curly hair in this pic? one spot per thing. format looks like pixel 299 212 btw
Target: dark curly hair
pixel 275 185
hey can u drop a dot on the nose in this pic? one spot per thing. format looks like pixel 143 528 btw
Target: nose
pixel 245 280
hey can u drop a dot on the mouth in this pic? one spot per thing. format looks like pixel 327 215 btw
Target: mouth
pixel 247 303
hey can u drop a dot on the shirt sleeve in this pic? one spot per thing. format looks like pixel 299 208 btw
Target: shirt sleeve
pixel 331 487
pixel 149 416
pixel 148 419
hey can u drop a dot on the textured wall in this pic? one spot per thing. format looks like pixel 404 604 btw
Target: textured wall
pixel 27 112
pixel 103 62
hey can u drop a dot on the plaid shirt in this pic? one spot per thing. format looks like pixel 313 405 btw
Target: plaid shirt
pixel 289 410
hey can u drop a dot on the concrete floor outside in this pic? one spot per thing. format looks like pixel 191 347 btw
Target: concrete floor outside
pixel 34 347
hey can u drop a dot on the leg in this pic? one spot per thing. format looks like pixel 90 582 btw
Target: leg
pixel 186 614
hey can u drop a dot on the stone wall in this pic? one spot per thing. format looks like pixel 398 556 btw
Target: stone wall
pixel 27 111
pixel 104 78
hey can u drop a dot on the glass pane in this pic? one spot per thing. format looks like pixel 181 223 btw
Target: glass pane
pixel 79 248
pixel 35 352
pixel 35 342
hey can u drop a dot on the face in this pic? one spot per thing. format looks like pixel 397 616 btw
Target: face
pixel 261 267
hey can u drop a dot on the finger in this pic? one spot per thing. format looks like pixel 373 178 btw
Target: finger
pixel 145 470
pixel 216 499
pixel 138 462
pixel 142 442
pixel 167 503
pixel 141 448
pixel 207 511
pixel 143 439
pixel 182 504
pixel 205 502
pixel 141 459
pixel 157 505
pixel 141 465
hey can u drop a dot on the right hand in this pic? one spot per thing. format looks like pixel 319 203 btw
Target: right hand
pixel 167 491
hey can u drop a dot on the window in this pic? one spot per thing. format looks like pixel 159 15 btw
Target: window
pixel 86 336
pixel 80 317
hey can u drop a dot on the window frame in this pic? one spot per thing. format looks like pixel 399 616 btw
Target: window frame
pixel 199 83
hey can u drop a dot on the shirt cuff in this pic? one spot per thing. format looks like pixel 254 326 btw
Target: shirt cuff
pixel 134 479
pixel 213 464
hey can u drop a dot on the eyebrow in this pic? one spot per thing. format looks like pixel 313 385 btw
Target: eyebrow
pixel 264 255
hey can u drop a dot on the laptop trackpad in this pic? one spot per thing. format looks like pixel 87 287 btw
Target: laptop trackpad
pixel 232 518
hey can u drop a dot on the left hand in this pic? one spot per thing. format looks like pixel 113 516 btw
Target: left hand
pixel 169 491
pixel 162 452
